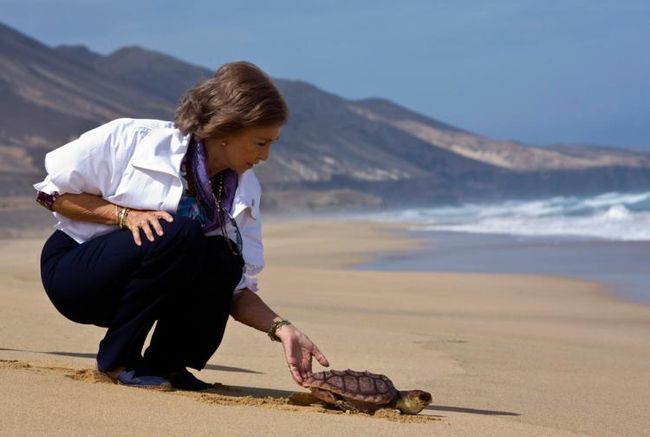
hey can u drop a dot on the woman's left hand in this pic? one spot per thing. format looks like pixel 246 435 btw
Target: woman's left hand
pixel 298 350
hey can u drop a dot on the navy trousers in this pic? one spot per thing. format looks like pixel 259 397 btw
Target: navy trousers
pixel 182 280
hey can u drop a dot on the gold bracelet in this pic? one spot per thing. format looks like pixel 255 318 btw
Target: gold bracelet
pixel 119 218
pixel 275 326
pixel 126 213
pixel 122 217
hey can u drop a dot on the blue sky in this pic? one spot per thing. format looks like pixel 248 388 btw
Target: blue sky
pixel 540 72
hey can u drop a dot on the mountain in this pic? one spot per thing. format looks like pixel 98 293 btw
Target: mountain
pixel 506 154
pixel 46 100
pixel 333 152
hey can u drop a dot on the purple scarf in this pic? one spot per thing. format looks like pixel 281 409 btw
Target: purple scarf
pixel 197 162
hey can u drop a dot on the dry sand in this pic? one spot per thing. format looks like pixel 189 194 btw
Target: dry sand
pixel 503 355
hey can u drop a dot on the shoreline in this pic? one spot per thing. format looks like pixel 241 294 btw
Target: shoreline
pixel 620 289
pixel 503 355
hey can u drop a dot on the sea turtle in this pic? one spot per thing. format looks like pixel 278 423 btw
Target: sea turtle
pixel 364 391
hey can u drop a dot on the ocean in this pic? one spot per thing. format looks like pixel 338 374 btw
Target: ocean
pixel 604 238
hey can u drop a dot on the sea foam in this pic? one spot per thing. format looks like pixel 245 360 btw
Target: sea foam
pixel 612 216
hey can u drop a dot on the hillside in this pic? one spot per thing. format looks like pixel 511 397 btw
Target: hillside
pixel 334 152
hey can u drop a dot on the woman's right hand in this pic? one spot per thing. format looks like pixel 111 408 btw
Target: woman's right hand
pixel 298 351
pixel 137 220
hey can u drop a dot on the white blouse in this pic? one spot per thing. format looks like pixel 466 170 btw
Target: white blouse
pixel 135 163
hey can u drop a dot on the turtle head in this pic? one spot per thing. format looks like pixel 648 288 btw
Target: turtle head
pixel 412 401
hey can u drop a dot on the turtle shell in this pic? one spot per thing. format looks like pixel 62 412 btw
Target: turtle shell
pixel 359 386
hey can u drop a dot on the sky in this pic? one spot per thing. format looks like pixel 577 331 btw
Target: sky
pixel 537 72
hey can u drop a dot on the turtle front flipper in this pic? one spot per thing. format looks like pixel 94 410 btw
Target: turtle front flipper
pixel 327 396
pixel 363 407
pixel 346 406
pixel 334 399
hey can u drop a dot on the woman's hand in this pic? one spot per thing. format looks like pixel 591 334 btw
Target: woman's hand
pixel 144 220
pixel 298 350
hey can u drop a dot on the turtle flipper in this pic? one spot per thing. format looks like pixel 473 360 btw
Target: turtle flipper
pixel 346 406
pixel 326 396
pixel 333 399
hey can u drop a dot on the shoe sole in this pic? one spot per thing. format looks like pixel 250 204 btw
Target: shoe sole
pixel 159 387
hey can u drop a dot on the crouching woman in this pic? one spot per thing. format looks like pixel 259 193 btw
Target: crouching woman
pixel 159 222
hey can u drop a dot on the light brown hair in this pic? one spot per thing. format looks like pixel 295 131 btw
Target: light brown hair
pixel 239 96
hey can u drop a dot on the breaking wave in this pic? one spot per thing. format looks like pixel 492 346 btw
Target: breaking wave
pixel 612 216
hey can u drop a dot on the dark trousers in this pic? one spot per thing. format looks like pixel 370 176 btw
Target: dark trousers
pixel 183 280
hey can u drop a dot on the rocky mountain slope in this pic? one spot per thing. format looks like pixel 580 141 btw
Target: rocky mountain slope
pixel 334 151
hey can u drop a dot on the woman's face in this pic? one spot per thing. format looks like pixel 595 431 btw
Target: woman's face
pixel 242 150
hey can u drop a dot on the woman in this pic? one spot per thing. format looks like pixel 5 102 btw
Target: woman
pixel 159 222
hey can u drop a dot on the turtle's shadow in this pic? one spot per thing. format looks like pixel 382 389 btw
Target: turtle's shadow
pixel 470 410
pixel 257 392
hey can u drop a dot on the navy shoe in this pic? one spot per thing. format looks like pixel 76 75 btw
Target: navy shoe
pixel 130 378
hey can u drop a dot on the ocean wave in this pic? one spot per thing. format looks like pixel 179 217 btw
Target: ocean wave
pixel 612 225
pixel 613 216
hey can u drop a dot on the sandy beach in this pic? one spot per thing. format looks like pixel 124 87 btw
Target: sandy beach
pixel 502 355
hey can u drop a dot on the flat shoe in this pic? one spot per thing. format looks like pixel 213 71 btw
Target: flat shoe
pixel 129 377
pixel 123 376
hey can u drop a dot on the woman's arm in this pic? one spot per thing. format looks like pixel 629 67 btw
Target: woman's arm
pixel 87 208
pixel 248 308
pixel 90 208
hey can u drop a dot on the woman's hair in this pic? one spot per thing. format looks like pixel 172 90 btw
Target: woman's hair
pixel 239 96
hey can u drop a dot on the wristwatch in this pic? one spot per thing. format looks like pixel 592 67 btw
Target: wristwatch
pixel 275 326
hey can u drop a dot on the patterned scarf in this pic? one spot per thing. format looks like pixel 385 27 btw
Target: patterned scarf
pixel 204 186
